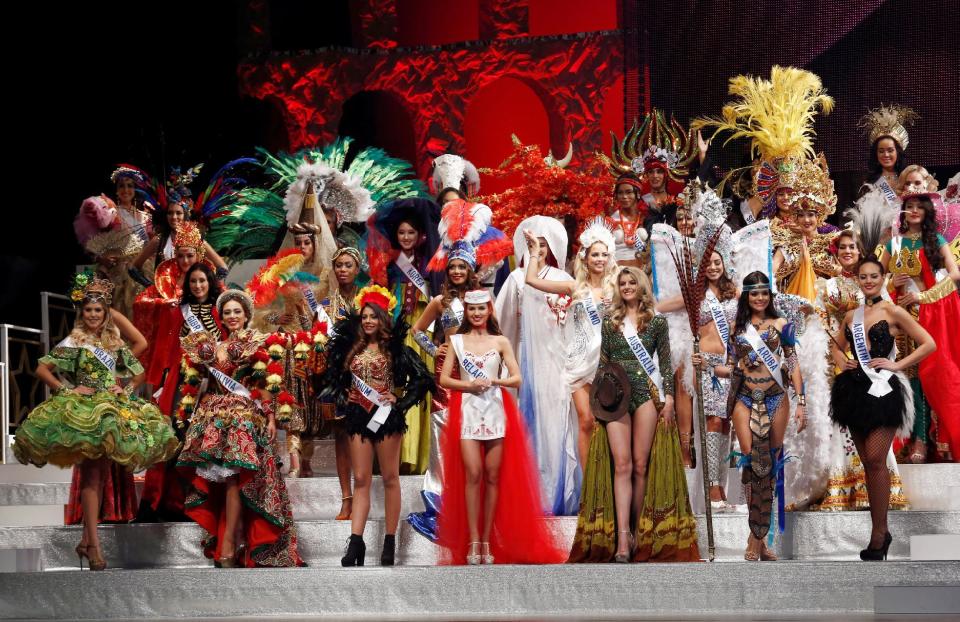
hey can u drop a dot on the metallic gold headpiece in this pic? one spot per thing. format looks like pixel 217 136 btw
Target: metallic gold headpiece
pixel 889 121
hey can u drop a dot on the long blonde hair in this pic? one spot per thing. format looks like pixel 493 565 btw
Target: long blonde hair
pixel 110 338
pixel 582 275
pixel 645 312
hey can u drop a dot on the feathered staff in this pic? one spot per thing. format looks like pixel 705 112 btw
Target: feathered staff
pixel 693 288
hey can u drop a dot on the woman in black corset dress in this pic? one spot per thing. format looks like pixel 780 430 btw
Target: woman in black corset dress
pixel 871 397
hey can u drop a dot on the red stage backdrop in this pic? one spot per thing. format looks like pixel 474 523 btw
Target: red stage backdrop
pixel 427 76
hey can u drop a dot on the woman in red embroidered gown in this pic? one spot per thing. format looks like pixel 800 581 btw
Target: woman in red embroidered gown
pixel 228 456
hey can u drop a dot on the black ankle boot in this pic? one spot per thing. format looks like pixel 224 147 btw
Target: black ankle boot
pixel 356 550
pixel 389 550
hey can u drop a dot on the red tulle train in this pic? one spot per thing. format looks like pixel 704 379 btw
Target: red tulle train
pixel 940 372
pixel 520 534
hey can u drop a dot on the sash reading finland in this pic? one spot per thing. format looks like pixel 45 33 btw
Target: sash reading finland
pixel 646 361
pixel 879 378
pixel 384 407
pixel 592 312
pixel 769 358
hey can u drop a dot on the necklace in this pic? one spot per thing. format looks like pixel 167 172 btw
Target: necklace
pixel 872 301
pixel 913 236
pixel 629 229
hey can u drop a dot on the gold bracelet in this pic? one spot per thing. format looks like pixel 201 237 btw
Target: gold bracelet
pixel 802 400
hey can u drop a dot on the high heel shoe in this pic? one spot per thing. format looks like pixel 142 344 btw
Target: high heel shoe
pixel 356 550
pixel 485 556
pixel 96 560
pixel 389 550
pixel 473 554
pixel 81 553
pixel 875 555
pixel 623 558
pixel 344 513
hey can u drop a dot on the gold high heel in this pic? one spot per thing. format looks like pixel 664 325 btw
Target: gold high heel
pixel 97 562
pixel 81 553
pixel 473 554
pixel 485 556
pixel 623 558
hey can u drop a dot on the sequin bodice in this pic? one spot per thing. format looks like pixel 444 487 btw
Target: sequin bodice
pixel 879 337
pixel 372 367
pixel 770 336
pixel 729 310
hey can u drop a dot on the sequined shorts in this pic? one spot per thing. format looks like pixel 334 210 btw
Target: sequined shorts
pixel 713 388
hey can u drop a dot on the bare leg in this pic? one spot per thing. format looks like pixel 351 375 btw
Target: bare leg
pixel 233 507
pixel 683 404
pixel 473 471
pixel 388 453
pixel 361 459
pixel 581 401
pixel 341 449
pixel 91 485
pixel 294 445
pixel 493 460
pixel 873 450
pixel 644 427
pixel 618 436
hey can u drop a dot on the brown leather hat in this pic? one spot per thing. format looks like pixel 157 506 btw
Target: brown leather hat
pixel 610 392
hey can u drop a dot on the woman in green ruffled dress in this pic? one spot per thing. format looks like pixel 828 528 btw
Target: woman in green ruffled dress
pixel 91 420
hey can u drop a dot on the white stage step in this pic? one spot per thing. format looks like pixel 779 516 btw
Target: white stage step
pixel 600 591
pixel 940 547
pixel 809 536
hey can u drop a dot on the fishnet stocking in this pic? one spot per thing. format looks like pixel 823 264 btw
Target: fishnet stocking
pixel 873 448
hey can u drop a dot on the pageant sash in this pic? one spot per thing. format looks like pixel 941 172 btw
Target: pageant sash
pixel 384 407
pixel 168 251
pixel 719 317
pixel 317 309
pixel 747 213
pixel 102 355
pixel 887 191
pixel 411 272
pixel 769 358
pixel 229 383
pixel 191 320
pixel 475 372
pixel 457 307
pixel 879 378
pixel 593 313
pixel 646 361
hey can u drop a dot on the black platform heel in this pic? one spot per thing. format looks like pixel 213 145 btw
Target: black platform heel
pixel 389 550
pixel 356 550
pixel 875 555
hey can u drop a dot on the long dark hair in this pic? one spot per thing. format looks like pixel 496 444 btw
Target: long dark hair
pixel 876 170
pixel 160 219
pixel 743 305
pixel 386 331
pixel 187 298
pixel 493 326
pixel 928 231
pixel 460 194
pixel 451 290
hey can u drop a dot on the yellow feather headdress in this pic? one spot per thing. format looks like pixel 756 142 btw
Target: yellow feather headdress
pixel 777 116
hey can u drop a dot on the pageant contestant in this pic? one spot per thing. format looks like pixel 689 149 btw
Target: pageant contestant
pixel 535 323
pixel 158 315
pixel 402 237
pixel 228 457
pixel 366 362
pixel 338 305
pixel 717 316
pixel 886 130
pixel 630 383
pixel 627 218
pixel 91 420
pixel 847 488
pixel 594 267
pixel 491 497
pixel 925 275
pixel 468 244
pixel 163 492
pixel 871 397
pixel 763 363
